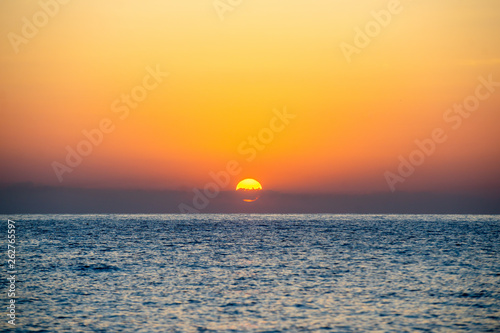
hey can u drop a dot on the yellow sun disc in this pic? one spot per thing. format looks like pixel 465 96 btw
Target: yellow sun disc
pixel 249 184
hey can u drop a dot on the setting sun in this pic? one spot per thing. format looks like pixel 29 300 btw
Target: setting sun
pixel 249 184
pixel 249 189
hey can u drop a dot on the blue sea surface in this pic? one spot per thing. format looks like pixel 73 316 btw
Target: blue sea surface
pixel 255 273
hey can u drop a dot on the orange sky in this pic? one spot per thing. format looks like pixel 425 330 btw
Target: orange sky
pixel 226 80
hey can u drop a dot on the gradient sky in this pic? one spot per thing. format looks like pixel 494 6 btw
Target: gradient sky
pixel 352 119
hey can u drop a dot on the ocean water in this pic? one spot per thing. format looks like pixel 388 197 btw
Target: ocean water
pixel 255 273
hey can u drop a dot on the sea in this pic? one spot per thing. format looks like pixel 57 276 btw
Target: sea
pixel 252 273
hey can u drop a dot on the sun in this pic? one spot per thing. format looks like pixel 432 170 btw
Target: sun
pixel 249 189
pixel 249 184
